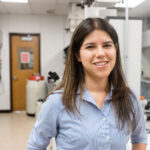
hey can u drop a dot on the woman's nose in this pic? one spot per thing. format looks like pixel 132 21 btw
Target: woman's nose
pixel 100 52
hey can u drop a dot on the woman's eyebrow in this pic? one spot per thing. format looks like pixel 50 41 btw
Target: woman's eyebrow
pixel 108 42
pixel 90 43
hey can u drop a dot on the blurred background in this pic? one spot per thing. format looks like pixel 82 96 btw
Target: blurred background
pixel 34 38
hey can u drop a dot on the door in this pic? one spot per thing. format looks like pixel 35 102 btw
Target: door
pixel 24 51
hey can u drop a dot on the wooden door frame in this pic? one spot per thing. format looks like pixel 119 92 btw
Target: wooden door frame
pixel 10 60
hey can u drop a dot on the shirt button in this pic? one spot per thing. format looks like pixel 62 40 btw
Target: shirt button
pixel 104 119
pixel 107 138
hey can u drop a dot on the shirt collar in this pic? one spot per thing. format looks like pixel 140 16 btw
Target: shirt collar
pixel 87 96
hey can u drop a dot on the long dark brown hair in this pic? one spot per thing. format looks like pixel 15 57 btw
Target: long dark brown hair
pixel 73 77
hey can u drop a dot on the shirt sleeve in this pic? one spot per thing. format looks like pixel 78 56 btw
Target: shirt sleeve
pixel 46 125
pixel 139 134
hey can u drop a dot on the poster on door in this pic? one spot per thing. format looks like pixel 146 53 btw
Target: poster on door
pixel 25 57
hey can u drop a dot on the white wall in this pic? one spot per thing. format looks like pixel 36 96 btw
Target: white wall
pixel 51 29
pixel 131 57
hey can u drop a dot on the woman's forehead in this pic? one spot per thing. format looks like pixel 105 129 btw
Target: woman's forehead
pixel 97 36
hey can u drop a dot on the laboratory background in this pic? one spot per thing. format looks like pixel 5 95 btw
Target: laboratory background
pixel 34 38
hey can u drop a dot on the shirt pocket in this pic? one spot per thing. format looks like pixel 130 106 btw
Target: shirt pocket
pixel 72 141
pixel 68 139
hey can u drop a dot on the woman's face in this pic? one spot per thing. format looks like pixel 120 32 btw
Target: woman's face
pixel 97 55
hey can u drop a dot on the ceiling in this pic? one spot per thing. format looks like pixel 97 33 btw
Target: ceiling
pixel 143 10
pixel 59 7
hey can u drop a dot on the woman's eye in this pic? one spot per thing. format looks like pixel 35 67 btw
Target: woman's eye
pixel 89 47
pixel 107 45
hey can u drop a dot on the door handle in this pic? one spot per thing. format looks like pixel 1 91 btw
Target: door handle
pixel 15 78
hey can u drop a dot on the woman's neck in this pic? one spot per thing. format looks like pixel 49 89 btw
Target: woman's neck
pixel 101 85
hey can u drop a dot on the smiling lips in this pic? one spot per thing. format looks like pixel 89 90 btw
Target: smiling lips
pixel 101 64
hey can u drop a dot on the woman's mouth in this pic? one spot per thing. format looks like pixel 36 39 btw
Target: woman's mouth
pixel 101 64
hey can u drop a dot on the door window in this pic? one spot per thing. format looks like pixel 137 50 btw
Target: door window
pixel 25 58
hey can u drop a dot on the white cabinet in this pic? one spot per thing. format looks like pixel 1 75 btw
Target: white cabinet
pixel 131 57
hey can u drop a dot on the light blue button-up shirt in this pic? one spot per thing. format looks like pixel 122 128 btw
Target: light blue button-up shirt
pixel 95 129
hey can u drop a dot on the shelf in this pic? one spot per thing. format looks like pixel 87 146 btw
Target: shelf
pixel 145 81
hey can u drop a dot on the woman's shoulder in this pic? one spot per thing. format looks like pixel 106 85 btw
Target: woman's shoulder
pixel 54 100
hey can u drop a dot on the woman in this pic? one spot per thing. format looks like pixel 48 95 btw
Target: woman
pixel 92 109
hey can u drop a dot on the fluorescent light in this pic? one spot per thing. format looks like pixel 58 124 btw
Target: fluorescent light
pixel 131 3
pixel 15 1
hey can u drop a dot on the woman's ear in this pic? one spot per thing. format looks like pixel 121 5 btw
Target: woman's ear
pixel 77 55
